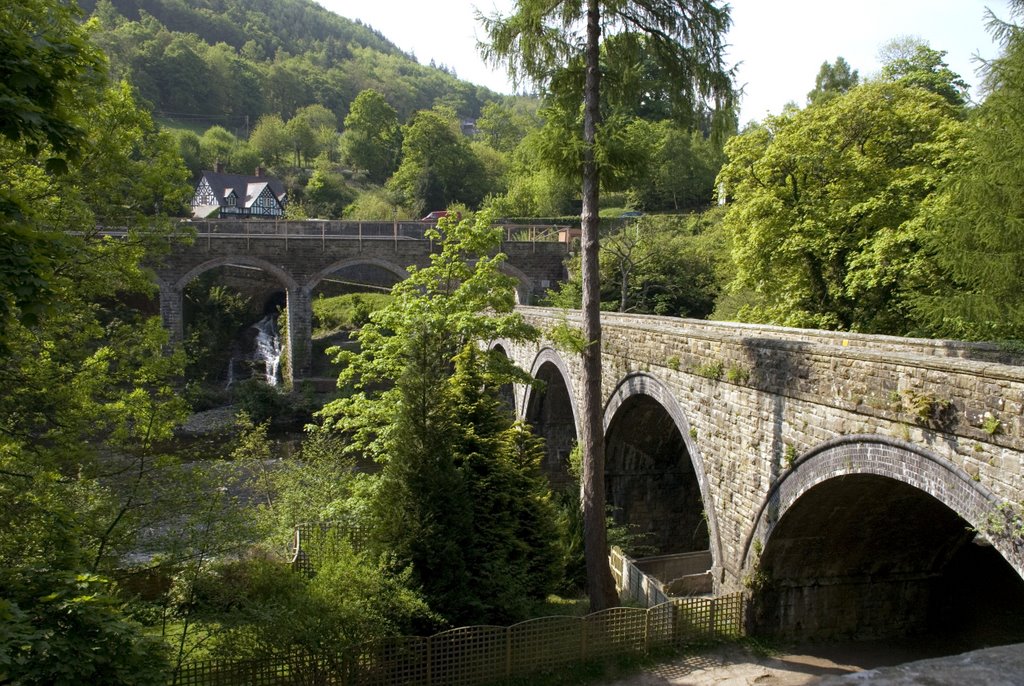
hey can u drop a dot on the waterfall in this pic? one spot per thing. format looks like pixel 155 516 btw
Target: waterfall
pixel 264 356
pixel 268 348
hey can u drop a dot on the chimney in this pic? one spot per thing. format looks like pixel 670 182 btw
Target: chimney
pixel 218 167
pixel 260 171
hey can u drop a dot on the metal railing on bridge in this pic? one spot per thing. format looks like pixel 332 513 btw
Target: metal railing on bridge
pixel 324 230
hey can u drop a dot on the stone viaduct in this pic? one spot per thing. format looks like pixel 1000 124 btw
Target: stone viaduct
pixel 857 485
pixel 300 255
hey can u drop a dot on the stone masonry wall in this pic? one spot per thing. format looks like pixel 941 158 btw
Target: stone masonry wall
pixel 757 398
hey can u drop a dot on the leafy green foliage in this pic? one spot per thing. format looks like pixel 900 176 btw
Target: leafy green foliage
pixel 664 265
pixel 681 169
pixel 372 138
pixel 88 397
pixel 240 59
pixel 256 606
pixel 47 57
pixel 832 80
pixel 326 195
pixel 915 63
pixel 68 630
pixel 216 315
pixel 825 203
pixel 460 497
pixel 438 166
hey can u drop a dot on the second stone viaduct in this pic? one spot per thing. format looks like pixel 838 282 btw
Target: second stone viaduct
pixel 299 255
pixel 854 484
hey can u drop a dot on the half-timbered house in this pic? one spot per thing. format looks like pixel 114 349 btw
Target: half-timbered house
pixel 238 195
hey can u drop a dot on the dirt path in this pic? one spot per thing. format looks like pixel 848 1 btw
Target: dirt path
pixel 735 665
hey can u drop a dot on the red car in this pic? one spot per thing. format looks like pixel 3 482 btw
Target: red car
pixel 437 214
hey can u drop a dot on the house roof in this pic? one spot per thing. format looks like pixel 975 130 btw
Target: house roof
pixel 223 184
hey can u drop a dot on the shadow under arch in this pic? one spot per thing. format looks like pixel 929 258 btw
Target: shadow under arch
pixel 507 392
pixel 286 279
pixel 399 272
pixel 551 410
pixel 869 537
pixel 648 397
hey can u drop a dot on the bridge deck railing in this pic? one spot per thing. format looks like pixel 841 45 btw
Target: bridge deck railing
pixel 339 229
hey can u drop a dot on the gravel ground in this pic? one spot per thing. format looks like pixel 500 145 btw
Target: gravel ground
pixel 736 665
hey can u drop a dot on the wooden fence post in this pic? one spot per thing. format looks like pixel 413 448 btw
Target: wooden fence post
pixel 430 642
pixel 508 652
pixel 711 618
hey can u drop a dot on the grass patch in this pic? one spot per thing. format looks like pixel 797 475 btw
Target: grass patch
pixel 345 312
pixel 555 605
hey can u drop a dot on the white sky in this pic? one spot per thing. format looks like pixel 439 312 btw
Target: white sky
pixel 780 44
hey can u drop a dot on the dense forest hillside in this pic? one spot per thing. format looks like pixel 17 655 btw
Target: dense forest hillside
pixel 228 62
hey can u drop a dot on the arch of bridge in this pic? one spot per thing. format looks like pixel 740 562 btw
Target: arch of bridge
pixel 399 272
pixel 552 357
pixel 286 279
pixel 643 384
pixel 861 454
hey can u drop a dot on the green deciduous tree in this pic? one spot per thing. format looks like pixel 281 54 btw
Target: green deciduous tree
pixel 558 46
pixel 501 127
pixel 372 137
pixel 87 394
pixel 327 195
pixel 306 132
pixel 914 62
pixel 460 497
pixel 680 171
pixel 217 145
pixel 47 66
pixel 664 265
pixel 824 207
pixel 438 166
pixel 270 139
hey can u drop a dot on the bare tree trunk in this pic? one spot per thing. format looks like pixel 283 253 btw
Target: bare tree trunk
pixel 600 585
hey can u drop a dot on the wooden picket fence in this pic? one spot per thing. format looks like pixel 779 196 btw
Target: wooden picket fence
pixel 488 654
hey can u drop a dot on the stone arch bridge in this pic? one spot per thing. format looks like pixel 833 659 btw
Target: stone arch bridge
pixel 854 483
pixel 299 255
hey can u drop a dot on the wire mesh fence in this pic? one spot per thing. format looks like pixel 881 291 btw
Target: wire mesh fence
pixel 470 656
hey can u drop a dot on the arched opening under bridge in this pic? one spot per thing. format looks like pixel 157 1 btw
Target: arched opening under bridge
pixel 867 556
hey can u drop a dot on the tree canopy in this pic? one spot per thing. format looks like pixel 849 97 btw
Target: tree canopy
pixel 832 80
pixel 824 206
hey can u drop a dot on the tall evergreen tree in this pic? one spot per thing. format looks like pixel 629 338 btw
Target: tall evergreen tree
pixel 542 41
pixel 458 496
pixel 976 223
pixel 832 80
